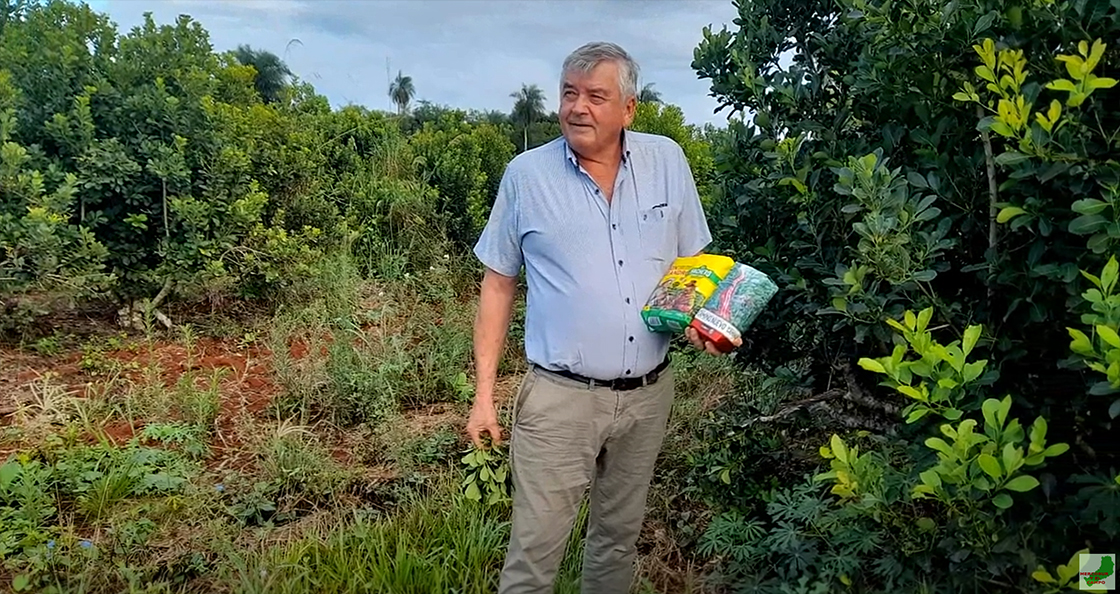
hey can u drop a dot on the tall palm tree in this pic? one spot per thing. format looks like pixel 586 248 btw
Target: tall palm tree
pixel 528 108
pixel 648 95
pixel 401 91
pixel 272 72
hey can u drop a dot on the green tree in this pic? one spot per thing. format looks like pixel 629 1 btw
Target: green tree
pixel 668 120
pixel 892 159
pixel 464 162
pixel 271 72
pixel 648 94
pixel 528 108
pixel 148 124
pixel 401 91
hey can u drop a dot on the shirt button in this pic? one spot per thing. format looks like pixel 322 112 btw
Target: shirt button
pixel 631 339
pixel 627 372
pixel 614 226
pixel 627 300
pixel 620 262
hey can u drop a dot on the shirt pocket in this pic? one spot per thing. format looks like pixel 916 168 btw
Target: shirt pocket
pixel 655 229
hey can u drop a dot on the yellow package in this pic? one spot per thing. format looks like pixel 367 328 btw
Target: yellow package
pixel 683 290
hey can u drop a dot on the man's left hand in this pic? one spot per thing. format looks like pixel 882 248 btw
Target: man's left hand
pixel 705 345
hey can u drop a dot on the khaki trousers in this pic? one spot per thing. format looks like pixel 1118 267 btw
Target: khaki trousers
pixel 567 436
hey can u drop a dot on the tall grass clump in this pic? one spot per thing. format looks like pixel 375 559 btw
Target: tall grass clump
pixel 441 543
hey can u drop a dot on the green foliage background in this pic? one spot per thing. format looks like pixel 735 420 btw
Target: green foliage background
pixel 933 184
pixel 957 158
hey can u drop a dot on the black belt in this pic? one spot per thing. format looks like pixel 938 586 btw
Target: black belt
pixel 621 384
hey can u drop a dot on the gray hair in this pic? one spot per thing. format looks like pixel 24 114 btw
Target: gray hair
pixel 588 56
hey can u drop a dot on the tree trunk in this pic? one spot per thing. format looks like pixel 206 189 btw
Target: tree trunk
pixel 166 227
pixel 132 315
pixel 993 211
pixel 525 138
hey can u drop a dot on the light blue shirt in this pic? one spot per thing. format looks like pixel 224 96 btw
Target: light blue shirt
pixel 590 266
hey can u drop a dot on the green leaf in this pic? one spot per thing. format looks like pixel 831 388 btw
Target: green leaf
pixel 1004 409
pixel 1109 335
pixel 952 414
pixel 921 412
pixel 1021 483
pixel 1080 343
pixel 984 23
pixel 971 335
pixel 990 465
pixel 725 476
pixel 1002 129
pixel 926 524
pixel 1057 449
pixel 1102 83
pixel 973 370
pixel 8 473
pixel 871 365
pixel 990 409
pixel 839 448
pixel 931 478
pixel 473 493
pixel 925 276
pixel 1012 458
pixel 1114 409
pixel 1110 274
pixel 911 392
pixel 1089 206
pixel 1041 575
pixel 1087 224
pixel 1002 501
pixel 1009 212
pixel 21 582
pixel 917 180
pixel 939 444
pixel 1010 158
pixel 1062 84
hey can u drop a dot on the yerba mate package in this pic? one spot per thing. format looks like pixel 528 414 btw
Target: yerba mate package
pixel 738 299
pixel 683 291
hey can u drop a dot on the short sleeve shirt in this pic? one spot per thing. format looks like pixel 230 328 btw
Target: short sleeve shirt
pixel 591 265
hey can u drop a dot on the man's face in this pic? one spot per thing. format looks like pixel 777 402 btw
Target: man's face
pixel 592 110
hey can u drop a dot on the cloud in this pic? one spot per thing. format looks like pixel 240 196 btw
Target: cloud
pixel 463 53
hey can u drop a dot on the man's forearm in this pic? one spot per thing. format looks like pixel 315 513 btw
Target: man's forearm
pixel 495 306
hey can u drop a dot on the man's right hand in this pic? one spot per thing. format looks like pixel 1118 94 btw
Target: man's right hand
pixel 495 305
pixel 483 420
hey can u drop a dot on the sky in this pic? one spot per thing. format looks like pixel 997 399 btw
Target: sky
pixel 469 54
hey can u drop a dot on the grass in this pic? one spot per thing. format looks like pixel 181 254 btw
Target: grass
pixel 317 450
pixel 436 543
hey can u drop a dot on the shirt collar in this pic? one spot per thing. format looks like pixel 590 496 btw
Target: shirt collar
pixel 625 149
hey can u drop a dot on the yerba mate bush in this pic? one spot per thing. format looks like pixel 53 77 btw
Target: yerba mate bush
pixel 954 158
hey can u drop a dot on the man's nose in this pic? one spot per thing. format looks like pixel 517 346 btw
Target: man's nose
pixel 580 104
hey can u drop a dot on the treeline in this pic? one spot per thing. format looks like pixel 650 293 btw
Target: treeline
pixel 142 167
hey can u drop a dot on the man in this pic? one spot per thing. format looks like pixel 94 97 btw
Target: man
pixel 596 217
